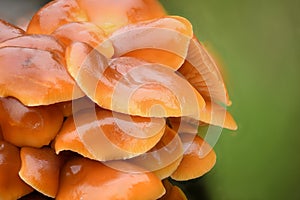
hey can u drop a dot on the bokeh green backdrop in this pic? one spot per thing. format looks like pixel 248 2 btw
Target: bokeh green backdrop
pixel 258 42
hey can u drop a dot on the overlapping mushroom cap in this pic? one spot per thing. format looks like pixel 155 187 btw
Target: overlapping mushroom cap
pixel 103 99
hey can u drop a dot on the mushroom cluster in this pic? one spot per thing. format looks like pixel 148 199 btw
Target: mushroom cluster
pixel 104 99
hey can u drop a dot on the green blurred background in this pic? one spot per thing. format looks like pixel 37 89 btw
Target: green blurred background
pixel 258 43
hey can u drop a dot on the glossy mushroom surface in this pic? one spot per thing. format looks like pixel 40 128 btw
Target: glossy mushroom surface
pixel 198 158
pixel 29 126
pixel 11 186
pixel 85 179
pixel 113 14
pixel 130 85
pixel 40 169
pixel 104 135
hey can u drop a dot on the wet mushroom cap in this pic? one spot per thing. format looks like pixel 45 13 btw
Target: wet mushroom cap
pixel 86 179
pixel 35 77
pixel 104 135
pixel 11 186
pixel 113 14
pixel 198 158
pixel 217 115
pixel 164 158
pixel 40 169
pixel 130 85
pixel 172 192
pixel 29 126
pixel 165 41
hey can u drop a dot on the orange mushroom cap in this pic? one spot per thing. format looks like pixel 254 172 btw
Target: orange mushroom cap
pixel 172 192
pixel 164 158
pixel 40 169
pixel 55 14
pixel 131 86
pixel 108 15
pixel 85 32
pixel 35 77
pixel 8 31
pixel 197 160
pixel 29 126
pixel 104 135
pixel 86 179
pixel 217 115
pixel 202 72
pixel 165 40
pixel 11 186
pixel 115 14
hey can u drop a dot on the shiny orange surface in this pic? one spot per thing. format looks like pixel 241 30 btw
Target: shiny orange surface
pixel 35 77
pixel 115 14
pixel 85 32
pixel 164 40
pixel 29 126
pixel 217 115
pixel 55 14
pixel 104 135
pixel 85 179
pixel 112 15
pixel 40 169
pixel 11 186
pixel 197 160
pixel 172 192
pixel 8 31
pixel 131 86
pixel 202 72
pixel 164 158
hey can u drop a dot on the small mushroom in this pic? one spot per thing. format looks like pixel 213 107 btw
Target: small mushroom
pixel 131 86
pixel 11 186
pixel 29 126
pixel 197 160
pixel 165 41
pixel 40 169
pixel 202 72
pixel 104 135
pixel 85 32
pixel 86 179
pixel 108 15
pixel 8 31
pixel 172 192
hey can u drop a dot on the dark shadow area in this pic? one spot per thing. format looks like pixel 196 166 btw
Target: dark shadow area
pixel 194 189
